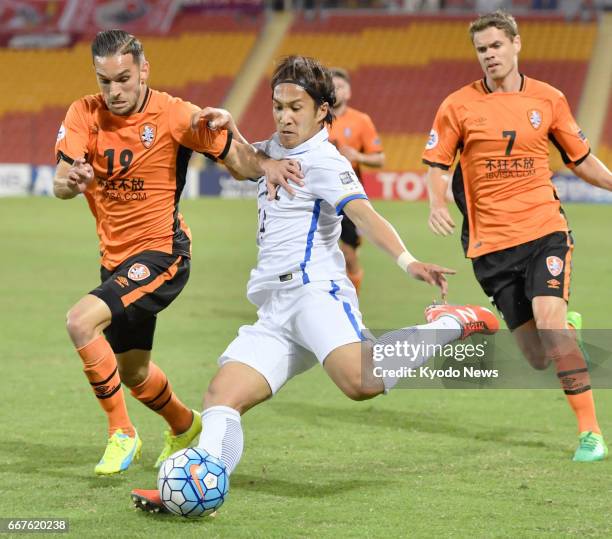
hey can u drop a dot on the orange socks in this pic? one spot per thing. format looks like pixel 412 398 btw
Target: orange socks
pixel 156 393
pixel 584 408
pixel 356 279
pixel 576 383
pixel 100 367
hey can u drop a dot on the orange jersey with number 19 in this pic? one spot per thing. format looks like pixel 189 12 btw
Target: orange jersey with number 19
pixel 140 167
pixel 503 183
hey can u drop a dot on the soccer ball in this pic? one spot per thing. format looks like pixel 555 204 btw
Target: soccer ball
pixel 192 483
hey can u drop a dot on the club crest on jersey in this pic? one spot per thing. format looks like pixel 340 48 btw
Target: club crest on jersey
pixel 535 118
pixel 432 141
pixel 61 133
pixel 147 135
pixel 554 264
pixel 138 272
pixel 347 132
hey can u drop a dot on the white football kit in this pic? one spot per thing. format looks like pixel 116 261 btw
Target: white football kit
pixel 307 305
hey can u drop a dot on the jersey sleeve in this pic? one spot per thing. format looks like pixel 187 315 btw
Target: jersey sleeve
pixel 214 144
pixel 371 140
pixel 73 135
pixel 333 180
pixel 566 135
pixel 444 138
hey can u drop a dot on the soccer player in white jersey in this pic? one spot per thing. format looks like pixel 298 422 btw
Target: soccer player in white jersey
pixel 308 311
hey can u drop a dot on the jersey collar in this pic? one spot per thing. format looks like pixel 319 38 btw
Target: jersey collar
pixel 314 141
pixel 144 101
pixel 488 90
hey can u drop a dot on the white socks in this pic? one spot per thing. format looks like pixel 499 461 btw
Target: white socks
pixel 413 345
pixel 222 435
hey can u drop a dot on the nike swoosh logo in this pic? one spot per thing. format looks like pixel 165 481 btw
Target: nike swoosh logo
pixel 193 469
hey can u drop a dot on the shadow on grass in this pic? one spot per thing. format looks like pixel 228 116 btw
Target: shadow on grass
pixel 55 460
pixel 43 457
pixel 169 519
pixel 290 489
pixel 429 423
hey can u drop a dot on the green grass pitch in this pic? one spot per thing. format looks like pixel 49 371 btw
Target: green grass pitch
pixel 419 463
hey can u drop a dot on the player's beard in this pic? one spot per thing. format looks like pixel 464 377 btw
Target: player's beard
pixel 133 108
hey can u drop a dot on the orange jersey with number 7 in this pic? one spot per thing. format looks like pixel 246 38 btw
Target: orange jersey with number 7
pixel 140 167
pixel 503 184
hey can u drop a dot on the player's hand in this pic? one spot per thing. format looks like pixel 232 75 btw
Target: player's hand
pixel 213 119
pixel 280 173
pixel 431 274
pixel 350 153
pixel 440 221
pixel 80 175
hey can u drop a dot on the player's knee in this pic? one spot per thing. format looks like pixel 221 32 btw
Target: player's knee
pixel 360 393
pixel 545 323
pixel 77 325
pixel 217 395
pixel 355 389
pixel 555 338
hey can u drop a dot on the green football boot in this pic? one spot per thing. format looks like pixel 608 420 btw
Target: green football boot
pixel 121 451
pixel 574 320
pixel 591 448
pixel 172 443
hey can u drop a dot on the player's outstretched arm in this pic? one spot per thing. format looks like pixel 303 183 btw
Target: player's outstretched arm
pixel 70 180
pixel 382 234
pixel 243 160
pixel 440 220
pixel 593 171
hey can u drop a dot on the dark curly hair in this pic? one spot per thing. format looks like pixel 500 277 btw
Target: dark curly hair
pixel 311 75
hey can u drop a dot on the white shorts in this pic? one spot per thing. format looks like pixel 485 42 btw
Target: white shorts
pixel 297 327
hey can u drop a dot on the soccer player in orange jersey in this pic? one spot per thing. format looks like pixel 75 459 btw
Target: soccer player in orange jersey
pixel 355 136
pixel 514 228
pixel 126 149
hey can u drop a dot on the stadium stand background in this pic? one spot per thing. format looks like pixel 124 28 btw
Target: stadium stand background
pixel 402 67
pixel 197 61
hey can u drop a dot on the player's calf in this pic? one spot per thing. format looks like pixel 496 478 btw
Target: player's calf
pixel 237 386
pixel 530 344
